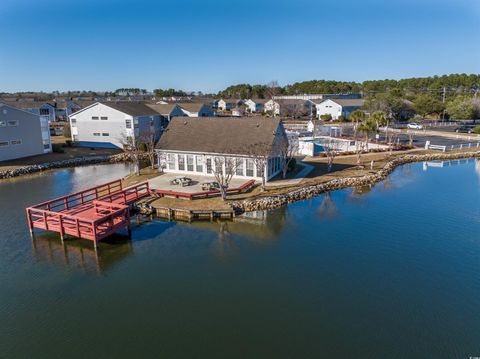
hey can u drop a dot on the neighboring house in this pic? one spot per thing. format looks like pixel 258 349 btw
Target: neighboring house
pixel 190 146
pixel 289 107
pixel 167 111
pixel 255 105
pixel 112 124
pixel 64 108
pixel 227 105
pixel 214 104
pixel 22 133
pixel 338 107
pixel 44 109
pixel 196 109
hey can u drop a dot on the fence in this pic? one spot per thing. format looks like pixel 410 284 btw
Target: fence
pixel 429 146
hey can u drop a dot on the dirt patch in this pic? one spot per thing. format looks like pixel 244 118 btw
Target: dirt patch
pixel 209 204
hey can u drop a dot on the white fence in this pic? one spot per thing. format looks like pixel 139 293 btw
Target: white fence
pixel 429 146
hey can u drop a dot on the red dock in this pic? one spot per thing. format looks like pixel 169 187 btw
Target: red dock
pixel 93 214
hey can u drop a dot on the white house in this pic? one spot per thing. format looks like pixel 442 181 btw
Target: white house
pixel 288 107
pixel 22 133
pixel 112 124
pixel 255 105
pixel 197 109
pixel 229 104
pixel 190 146
pixel 167 111
pixel 338 107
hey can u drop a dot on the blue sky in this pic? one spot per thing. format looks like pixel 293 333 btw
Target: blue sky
pixel 207 45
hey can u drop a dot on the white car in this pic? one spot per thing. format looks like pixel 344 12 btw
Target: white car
pixel 415 126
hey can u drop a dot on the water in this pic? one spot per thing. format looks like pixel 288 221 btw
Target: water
pixel 387 272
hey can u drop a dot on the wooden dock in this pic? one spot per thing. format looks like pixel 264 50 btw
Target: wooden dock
pixel 92 214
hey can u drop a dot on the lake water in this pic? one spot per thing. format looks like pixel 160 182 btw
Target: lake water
pixel 391 271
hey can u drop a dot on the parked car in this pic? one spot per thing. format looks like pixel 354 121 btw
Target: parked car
pixel 415 126
pixel 464 129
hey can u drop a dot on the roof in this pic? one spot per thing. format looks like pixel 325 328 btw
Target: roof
pixel 28 114
pixel 163 109
pixel 27 104
pixel 132 108
pixel 258 100
pixel 218 134
pixel 192 106
pixel 348 102
pixel 282 102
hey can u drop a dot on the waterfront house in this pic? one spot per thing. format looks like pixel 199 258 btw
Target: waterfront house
pixel 255 105
pixel 114 124
pixel 338 107
pixel 22 133
pixel 196 109
pixel 190 146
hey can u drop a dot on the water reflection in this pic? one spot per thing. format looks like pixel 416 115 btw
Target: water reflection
pixel 440 164
pixel 327 207
pixel 80 254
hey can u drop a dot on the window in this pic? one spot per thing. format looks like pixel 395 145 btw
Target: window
pixel 239 169
pixel 46 146
pixel 3 143
pixel 74 122
pixel 171 161
pixel 44 111
pixel 249 168
pixel 260 168
pixel 209 165
pixel 190 163
pixel 94 118
pixel 96 133
pixel 199 162
pixel 104 118
pixel 128 123
pixel 3 123
pixel 181 162
pixel 16 142
pixel 105 134
pixel 12 123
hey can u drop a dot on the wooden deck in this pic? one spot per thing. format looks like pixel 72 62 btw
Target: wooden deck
pixel 92 214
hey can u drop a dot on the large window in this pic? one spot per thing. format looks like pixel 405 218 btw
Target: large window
pixel 181 162
pixel 209 165
pixel 190 163
pixel 239 169
pixel 249 166
pixel 199 163
pixel 171 161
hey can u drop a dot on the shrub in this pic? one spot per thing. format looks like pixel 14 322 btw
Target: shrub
pixel 477 130
pixel 342 118
pixel 326 117
pixel 57 148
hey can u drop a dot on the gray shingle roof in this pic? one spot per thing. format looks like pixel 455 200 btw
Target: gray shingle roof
pixel 218 134
pixel 132 108
pixel 164 109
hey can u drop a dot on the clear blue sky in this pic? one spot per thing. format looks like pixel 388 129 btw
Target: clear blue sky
pixel 207 44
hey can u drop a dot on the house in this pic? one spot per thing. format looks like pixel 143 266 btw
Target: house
pixel 167 111
pixel 255 105
pixel 227 105
pixel 22 133
pixel 190 146
pixel 289 107
pixel 196 109
pixel 113 124
pixel 44 109
pixel 338 107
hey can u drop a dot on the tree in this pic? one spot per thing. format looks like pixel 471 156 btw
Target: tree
pixel 67 133
pixel 133 149
pixel 326 117
pixel 426 104
pixel 272 89
pixel 461 108
pixel 147 139
pixel 223 170
pixel 357 117
pixel 260 153
pixel 331 148
pixel 367 127
pixel 286 150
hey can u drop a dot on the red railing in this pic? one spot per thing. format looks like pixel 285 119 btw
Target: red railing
pixel 206 194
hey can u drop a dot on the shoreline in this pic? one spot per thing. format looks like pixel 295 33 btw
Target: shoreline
pixel 310 191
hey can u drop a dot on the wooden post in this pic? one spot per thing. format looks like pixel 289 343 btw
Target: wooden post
pixel 61 227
